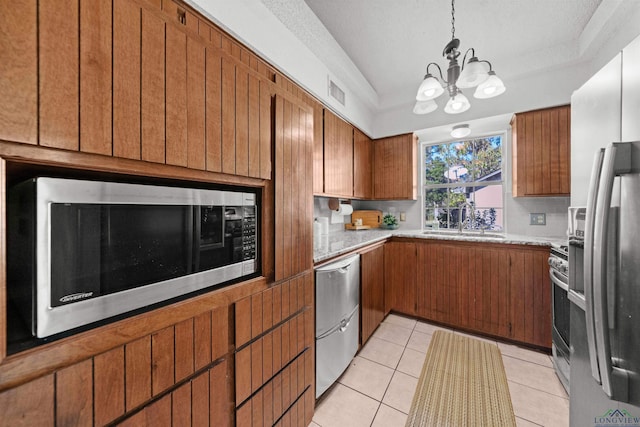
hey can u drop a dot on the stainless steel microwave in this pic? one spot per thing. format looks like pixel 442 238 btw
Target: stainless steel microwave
pixel 83 251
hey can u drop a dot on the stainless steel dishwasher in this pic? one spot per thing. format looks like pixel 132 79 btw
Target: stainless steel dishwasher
pixel 337 319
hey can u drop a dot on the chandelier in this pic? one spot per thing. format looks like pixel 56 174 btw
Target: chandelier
pixel 473 72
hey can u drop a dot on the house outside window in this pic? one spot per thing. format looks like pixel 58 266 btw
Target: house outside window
pixel 462 183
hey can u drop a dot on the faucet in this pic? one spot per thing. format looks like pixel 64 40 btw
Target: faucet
pixel 470 217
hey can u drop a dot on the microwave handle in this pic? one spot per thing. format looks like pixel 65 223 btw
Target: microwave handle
pixel 194 236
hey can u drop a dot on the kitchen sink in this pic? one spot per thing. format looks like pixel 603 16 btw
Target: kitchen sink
pixel 463 234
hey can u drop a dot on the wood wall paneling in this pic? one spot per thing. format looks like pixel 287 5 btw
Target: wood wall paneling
pixel 213 107
pixel 228 116
pixel 153 88
pixel 242 121
pixel 95 77
pixel 184 350
pixel 74 395
pixel 181 401
pixel 126 79
pixel 254 127
pixel 58 75
pixel 200 398
pixel 162 360
pixel 137 372
pixel 108 386
pixel 203 338
pixel 220 338
pixel 265 131
pixel 19 71
pixel 176 96
pixel 29 405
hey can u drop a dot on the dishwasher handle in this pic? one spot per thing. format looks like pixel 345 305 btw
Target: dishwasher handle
pixel 341 326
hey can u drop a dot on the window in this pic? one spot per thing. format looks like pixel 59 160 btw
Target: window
pixel 462 184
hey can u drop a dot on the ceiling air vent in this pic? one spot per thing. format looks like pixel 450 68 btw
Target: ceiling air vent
pixel 335 92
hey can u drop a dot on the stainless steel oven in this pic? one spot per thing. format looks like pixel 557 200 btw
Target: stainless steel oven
pixel 561 339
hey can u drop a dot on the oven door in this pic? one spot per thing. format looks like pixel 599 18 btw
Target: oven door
pixel 561 331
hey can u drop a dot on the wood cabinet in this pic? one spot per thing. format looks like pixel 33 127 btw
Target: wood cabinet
pixel 362 166
pixel 371 291
pixel 395 168
pixel 338 156
pixel 146 81
pixel 293 188
pixel 541 149
pixel 274 358
pixel 400 261
pixel 499 290
pixel 185 363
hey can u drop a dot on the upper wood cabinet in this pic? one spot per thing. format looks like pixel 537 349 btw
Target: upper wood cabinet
pixel 362 166
pixel 541 142
pixel 338 156
pixel 145 81
pixel 395 168
pixel 293 188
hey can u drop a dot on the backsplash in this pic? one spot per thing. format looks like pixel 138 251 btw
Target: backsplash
pixel 518 210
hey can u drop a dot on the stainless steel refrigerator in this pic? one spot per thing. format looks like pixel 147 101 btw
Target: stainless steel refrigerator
pixel 605 275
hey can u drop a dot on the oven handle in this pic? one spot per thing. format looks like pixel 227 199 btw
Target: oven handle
pixel 558 280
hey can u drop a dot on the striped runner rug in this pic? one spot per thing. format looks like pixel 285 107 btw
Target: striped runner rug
pixel 462 383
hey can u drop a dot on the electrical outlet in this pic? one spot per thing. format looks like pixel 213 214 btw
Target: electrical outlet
pixel 403 216
pixel 537 219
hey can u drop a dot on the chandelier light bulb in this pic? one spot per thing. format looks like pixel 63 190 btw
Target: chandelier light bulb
pixel 491 87
pixel 429 89
pixel 457 104
pixel 473 73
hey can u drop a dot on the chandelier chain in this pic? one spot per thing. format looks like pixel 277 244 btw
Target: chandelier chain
pixel 453 20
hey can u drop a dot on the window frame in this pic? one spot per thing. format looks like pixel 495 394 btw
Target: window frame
pixel 503 169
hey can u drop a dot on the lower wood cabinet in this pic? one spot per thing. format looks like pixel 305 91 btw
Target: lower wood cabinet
pixel 274 357
pixel 400 277
pixel 178 375
pixel 371 291
pixel 496 289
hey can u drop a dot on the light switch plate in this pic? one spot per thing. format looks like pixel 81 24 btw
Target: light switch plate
pixel 537 219
pixel 403 216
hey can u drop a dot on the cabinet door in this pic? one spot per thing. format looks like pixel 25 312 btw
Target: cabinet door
pixel 293 189
pixel 19 71
pixel 400 277
pixel 318 149
pixel 541 152
pixel 338 156
pixel 395 168
pixel 362 166
pixel 372 291
pixel 530 296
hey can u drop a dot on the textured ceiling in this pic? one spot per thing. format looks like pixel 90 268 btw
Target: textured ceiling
pixel 391 42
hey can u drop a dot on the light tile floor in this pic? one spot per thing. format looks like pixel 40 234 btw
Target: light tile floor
pixel 377 388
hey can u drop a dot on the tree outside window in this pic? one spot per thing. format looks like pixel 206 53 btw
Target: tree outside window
pixel 460 174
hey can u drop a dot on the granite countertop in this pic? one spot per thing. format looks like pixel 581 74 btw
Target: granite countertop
pixel 341 242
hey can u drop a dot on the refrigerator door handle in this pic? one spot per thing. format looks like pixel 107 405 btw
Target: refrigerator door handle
pixel 588 262
pixel 614 380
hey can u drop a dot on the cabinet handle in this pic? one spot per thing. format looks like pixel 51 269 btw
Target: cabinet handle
pixel 182 16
